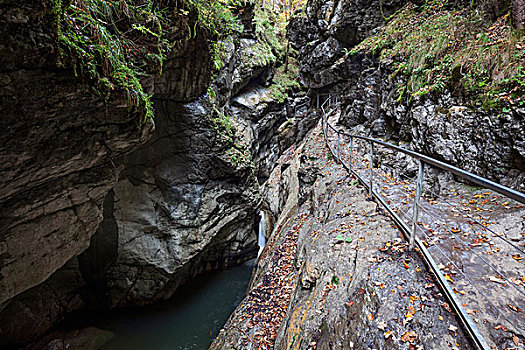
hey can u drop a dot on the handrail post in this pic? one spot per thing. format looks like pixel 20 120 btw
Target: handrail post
pixel 351 152
pixel 339 147
pixel 417 199
pixel 370 189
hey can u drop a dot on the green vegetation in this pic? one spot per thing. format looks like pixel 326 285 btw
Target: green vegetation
pixel 224 123
pixel 217 17
pixel 270 21
pixel 436 48
pixel 238 153
pixel 112 43
pixel 115 44
pixel 284 80
pixel 273 48
pixel 218 20
pixel 270 30
pixel 335 280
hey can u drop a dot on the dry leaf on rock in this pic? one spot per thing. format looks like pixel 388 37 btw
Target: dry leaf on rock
pixel 516 340
pixel 409 336
pixel 497 280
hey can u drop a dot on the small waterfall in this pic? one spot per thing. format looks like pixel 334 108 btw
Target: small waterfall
pixel 261 241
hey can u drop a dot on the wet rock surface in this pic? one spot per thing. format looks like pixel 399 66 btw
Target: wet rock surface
pixel 442 126
pixel 188 200
pixel 89 338
pixel 469 232
pixel 270 126
pixel 327 27
pixel 334 274
pixel 61 152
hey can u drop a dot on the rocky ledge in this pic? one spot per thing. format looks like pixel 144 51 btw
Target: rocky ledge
pixel 335 273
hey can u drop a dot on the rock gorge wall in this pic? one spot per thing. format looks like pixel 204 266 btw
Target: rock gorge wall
pixel 335 274
pixel 97 212
pixel 61 152
pixel 487 143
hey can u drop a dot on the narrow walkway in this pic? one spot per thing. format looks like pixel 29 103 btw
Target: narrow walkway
pixel 336 275
pixel 476 236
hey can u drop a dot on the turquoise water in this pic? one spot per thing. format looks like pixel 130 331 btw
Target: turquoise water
pixel 189 320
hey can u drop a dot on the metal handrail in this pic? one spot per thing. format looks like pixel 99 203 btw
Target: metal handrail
pixel 496 187
pixel 410 232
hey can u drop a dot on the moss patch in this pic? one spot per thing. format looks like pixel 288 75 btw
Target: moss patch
pixel 284 80
pixel 115 44
pixel 437 48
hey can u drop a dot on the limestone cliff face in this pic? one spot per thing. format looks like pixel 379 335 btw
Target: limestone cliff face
pixel 188 200
pixel 60 152
pixel 184 204
pixel 98 212
pixel 486 143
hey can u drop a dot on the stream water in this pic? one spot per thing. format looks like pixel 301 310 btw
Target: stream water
pixel 191 319
pixel 261 240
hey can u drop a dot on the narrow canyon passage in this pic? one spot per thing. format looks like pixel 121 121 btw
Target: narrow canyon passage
pixel 335 273
pixel 165 180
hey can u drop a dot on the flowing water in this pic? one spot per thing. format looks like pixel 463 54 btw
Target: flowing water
pixel 261 241
pixel 189 320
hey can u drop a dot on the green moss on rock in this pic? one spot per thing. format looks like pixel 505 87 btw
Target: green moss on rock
pixel 438 48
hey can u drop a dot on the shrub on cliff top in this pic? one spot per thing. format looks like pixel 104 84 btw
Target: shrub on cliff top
pixel 438 48
pixel 112 43
pixel 117 43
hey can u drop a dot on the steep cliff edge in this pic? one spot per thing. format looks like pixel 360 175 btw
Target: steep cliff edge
pixel 188 200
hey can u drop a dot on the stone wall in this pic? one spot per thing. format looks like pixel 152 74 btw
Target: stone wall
pixel 60 152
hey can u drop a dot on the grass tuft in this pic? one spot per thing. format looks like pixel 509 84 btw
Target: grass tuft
pixel 438 48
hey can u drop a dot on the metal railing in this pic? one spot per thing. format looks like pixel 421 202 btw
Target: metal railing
pixel 328 107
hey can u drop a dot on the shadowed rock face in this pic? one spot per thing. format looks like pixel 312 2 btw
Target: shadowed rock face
pixel 329 26
pixel 60 153
pixel 153 214
pixel 181 208
pixel 183 205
